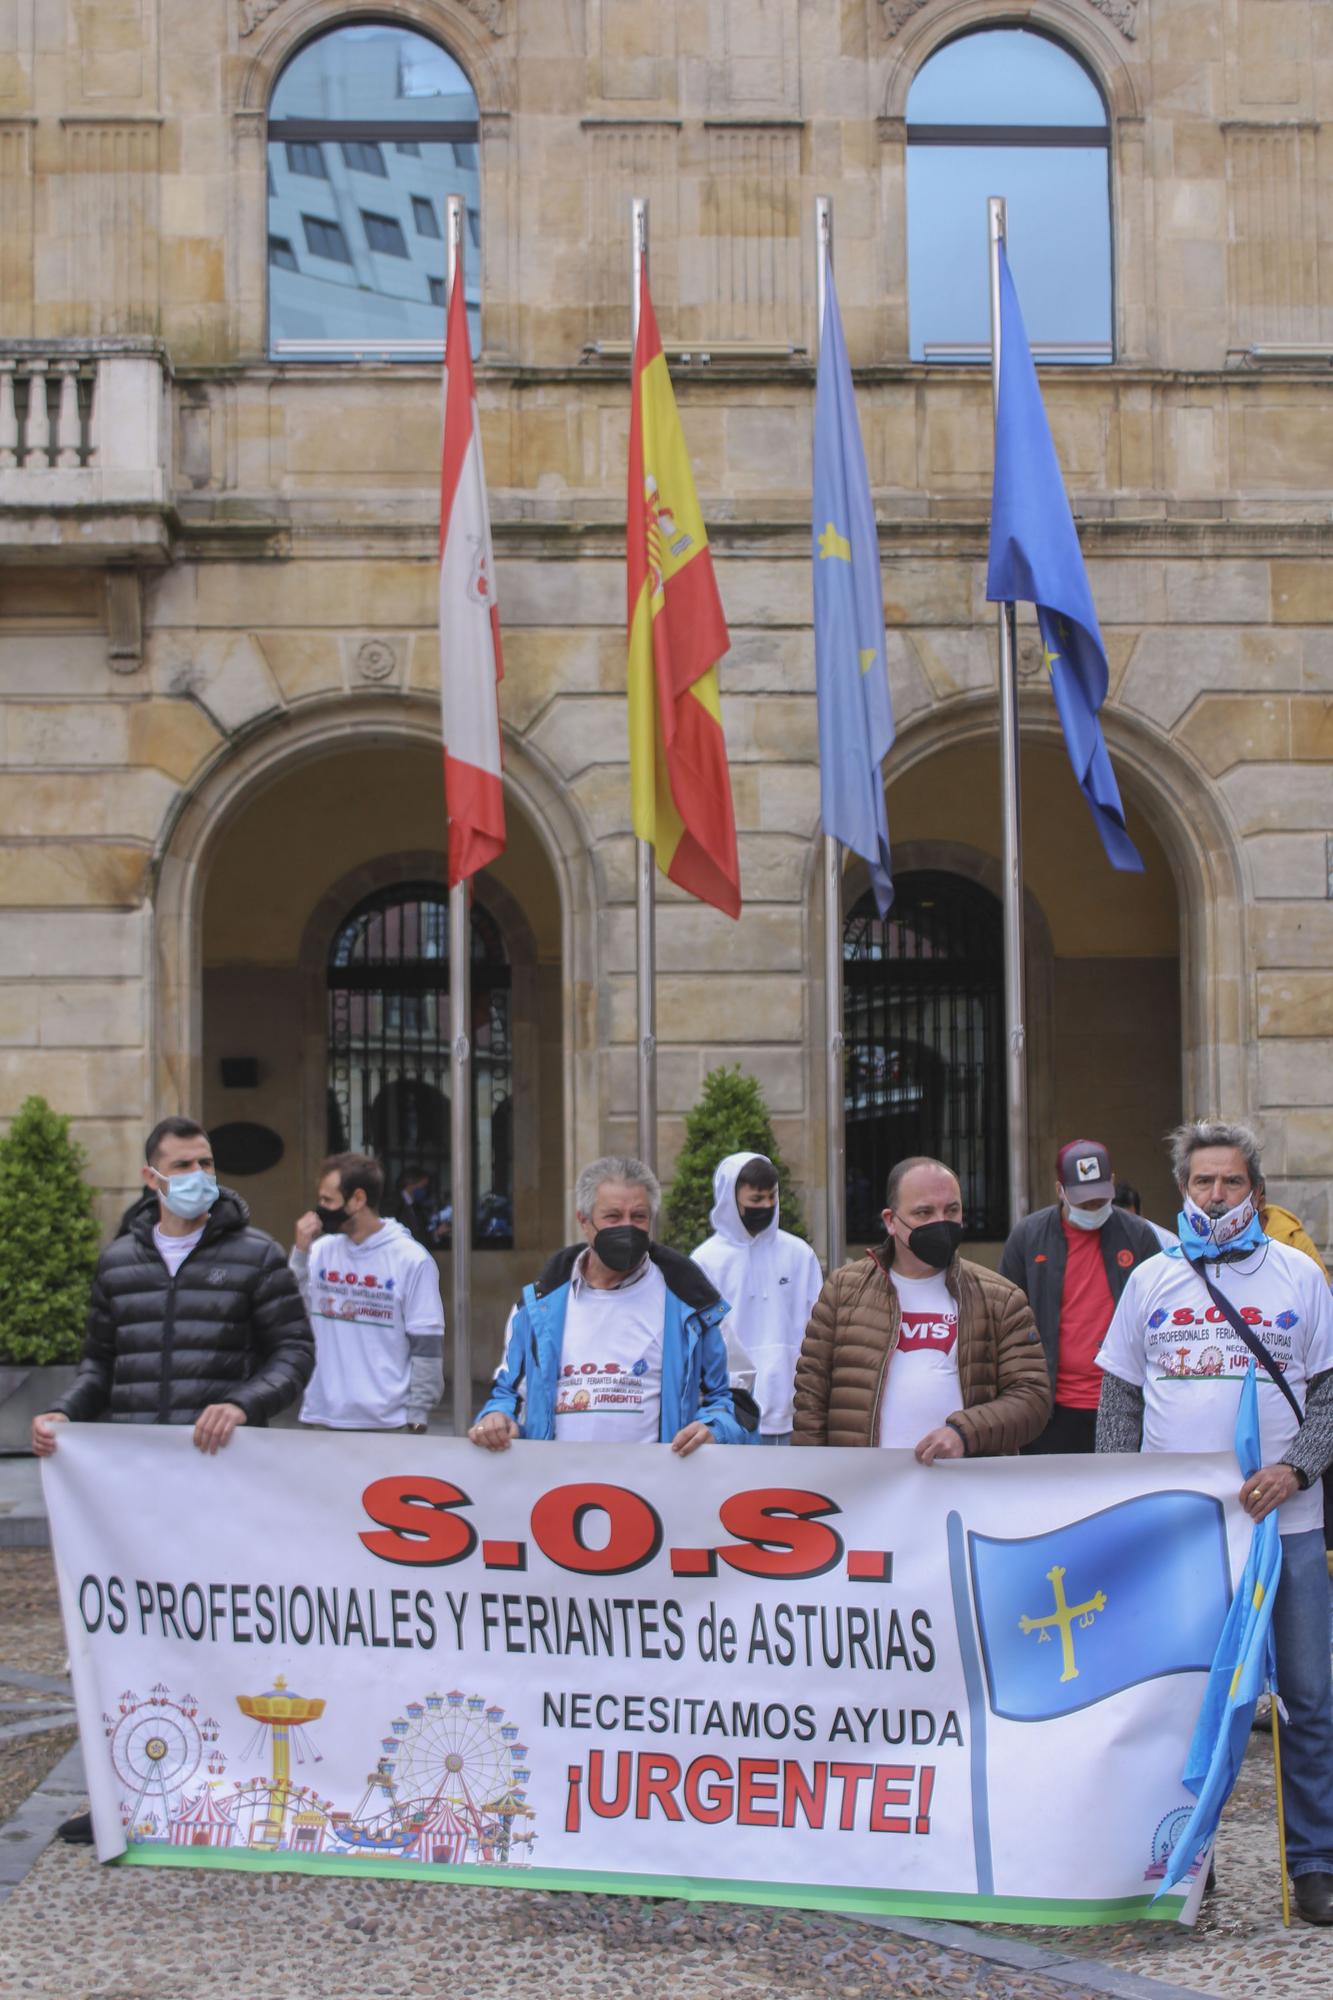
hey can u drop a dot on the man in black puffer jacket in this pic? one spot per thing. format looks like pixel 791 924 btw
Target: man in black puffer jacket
pixel 194 1318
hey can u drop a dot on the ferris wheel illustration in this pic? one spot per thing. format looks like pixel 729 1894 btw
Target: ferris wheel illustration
pixel 449 1784
pixel 156 1748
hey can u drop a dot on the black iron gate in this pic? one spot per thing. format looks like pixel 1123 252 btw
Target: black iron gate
pixel 924 1026
pixel 389 1081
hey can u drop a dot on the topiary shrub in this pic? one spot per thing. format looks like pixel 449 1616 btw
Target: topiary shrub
pixel 730 1117
pixel 48 1240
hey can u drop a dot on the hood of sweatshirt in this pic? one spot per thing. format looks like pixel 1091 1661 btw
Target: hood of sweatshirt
pixel 726 1216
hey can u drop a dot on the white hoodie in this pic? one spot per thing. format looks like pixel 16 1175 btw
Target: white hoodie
pixel 771 1282
pixel 378 1321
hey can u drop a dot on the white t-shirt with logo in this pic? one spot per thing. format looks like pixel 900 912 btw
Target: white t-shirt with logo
pixel 609 1389
pixel 378 1321
pixel 1169 1339
pixel 922 1387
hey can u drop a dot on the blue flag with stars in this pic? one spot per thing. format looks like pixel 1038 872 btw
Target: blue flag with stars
pixel 851 672
pixel 1035 559
pixel 1126 1595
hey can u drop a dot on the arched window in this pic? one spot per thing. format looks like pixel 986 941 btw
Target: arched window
pixel 1008 111
pixel 924 1025
pixel 371 127
pixel 389 1083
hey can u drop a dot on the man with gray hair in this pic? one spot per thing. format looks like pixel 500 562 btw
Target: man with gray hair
pixel 617 1342
pixel 1188 1324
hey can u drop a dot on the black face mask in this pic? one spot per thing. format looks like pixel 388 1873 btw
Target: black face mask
pixel 623 1247
pixel 331 1220
pixel 756 1219
pixel 935 1243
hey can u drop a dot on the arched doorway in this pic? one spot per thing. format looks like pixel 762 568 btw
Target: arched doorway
pixel 322 920
pixel 1111 1023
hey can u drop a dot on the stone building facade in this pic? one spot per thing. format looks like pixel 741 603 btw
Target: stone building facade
pixel 219 711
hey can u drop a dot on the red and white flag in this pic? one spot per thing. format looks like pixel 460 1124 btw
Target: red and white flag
pixel 470 661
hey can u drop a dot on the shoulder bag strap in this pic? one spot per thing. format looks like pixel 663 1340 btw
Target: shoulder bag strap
pixel 1253 1342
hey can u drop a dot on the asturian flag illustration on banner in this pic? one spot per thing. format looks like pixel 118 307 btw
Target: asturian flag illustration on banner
pixel 1035 558
pixel 851 675
pixel 471 664
pixel 679 780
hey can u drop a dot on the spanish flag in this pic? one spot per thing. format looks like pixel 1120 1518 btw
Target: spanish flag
pixel 679 783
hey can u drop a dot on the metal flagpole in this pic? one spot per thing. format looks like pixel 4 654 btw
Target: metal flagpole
pixel 1015 1032
pixel 835 1134
pixel 460 1029
pixel 645 858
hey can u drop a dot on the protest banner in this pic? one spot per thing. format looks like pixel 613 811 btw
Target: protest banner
pixel 825 1678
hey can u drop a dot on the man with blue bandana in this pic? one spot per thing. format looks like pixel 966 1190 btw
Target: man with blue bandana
pixel 1174 1359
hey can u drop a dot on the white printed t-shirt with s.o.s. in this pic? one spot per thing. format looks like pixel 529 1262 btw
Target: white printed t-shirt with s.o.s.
pixel 1169 1339
pixel 609 1389
pixel 921 1390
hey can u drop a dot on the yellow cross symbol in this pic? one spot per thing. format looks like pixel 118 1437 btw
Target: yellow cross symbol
pixel 1063 1618
pixel 831 543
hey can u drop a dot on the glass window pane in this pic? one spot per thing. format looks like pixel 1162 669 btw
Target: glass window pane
pixel 280 252
pixel 384 233
pixel 369 284
pixel 368 297
pixel 373 71
pixel 1004 76
pixel 1059 226
pixel 365 157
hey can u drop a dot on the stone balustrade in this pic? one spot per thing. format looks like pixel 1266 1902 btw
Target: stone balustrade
pixel 83 423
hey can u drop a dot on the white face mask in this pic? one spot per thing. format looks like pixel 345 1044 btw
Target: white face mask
pixel 1088 1218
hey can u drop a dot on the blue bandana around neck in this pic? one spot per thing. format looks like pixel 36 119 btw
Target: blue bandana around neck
pixel 1206 1237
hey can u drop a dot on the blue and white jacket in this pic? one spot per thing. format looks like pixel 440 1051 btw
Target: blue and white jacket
pixel 694 1355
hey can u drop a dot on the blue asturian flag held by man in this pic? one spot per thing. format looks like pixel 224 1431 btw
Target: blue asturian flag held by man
pixel 851 673
pixel 1035 559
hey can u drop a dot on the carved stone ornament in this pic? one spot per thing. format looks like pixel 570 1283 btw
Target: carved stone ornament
pixel 897 13
pixel 254 13
pixel 490 13
pixel 376 660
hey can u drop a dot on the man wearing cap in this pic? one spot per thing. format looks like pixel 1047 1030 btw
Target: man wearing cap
pixel 1072 1260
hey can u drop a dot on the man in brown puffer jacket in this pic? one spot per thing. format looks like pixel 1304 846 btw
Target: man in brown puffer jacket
pixel 957 1334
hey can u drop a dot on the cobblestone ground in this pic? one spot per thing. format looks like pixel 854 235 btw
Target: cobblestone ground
pixel 74 1931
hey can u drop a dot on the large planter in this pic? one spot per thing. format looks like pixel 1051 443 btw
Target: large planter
pixel 24 1394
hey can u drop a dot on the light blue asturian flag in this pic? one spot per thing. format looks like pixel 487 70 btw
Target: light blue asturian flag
pixel 1035 559
pixel 851 673
pixel 1080 1613
pixel 1243 1664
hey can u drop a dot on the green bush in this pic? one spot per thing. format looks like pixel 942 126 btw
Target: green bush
pixel 48 1240
pixel 730 1117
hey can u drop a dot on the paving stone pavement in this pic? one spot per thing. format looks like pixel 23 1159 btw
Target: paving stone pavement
pixel 72 1930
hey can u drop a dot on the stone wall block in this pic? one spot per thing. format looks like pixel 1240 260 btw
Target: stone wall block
pixel 1303 591
pixel 227 674
pixel 1295 1004
pixel 66 733
pixel 115 1151
pixel 1170 668
pixel 1284 865
pixel 1225 730
pixel 776 661
pixel 57 944
pixel 18 1016
pixel 694 1008
pixel 693 938
pixel 110 804
pixel 304 664
pixel 58 875
pixel 1295 1072
pixel 90 1013
pixel 1217 593
pixel 1292 934
pixel 574 733
pixel 1267 798
pixel 946 592
pixel 175 737
pixel 78 1083
pixel 780 1073
pixel 583 592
